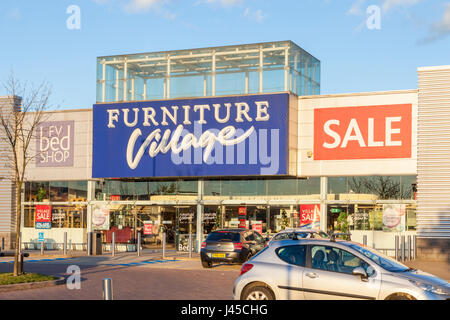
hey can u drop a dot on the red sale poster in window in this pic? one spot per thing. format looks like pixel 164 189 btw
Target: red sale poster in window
pixel 310 216
pixel 43 217
pixel 148 228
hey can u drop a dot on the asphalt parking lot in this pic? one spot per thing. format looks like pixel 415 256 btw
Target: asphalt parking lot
pixel 146 278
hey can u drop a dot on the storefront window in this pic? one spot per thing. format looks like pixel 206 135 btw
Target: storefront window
pixel 213 219
pixel 244 188
pixel 62 216
pixel 37 191
pixel 282 217
pixel 163 188
pixel 59 191
pixel 213 187
pixel 187 187
pixel 77 190
pixel 372 187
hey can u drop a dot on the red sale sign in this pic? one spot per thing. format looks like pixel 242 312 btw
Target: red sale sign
pixel 43 214
pixel 148 229
pixel 310 216
pixel 257 227
pixel 369 132
pixel 242 211
pixel 43 217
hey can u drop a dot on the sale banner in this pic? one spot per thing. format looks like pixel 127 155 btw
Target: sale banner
pixel 43 217
pixel 257 226
pixel 310 216
pixel 242 211
pixel 148 228
pixel 363 132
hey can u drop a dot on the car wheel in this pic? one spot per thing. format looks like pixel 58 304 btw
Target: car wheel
pixel 401 296
pixel 258 293
pixel 206 264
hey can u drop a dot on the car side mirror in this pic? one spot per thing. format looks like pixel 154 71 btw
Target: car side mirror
pixel 360 272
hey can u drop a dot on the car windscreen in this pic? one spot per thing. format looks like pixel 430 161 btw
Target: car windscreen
pixel 380 259
pixel 224 236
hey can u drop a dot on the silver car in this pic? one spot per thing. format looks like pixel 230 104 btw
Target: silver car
pixel 313 269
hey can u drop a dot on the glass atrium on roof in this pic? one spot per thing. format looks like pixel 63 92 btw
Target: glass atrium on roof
pixel 231 70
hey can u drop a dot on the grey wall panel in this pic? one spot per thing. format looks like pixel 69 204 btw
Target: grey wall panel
pixel 433 165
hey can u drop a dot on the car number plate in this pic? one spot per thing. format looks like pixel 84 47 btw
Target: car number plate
pixel 219 255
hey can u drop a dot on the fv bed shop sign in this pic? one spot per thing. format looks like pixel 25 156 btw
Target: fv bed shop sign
pixel 223 136
pixel 55 144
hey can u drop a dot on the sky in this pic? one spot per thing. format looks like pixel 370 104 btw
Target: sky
pixel 363 45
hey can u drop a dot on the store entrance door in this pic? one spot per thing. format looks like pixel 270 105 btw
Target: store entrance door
pixel 334 211
pixel 152 221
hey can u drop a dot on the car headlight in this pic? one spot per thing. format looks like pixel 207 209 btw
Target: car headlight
pixel 429 287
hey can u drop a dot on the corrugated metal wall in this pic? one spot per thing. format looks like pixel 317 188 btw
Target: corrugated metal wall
pixel 433 159
pixel 7 199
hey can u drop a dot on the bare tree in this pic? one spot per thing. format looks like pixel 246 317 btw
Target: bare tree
pixel 18 129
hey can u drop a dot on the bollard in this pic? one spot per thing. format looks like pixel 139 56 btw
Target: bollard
pixel 396 248
pixel 365 240
pixel 65 244
pixel 107 289
pixel 42 248
pixel 3 244
pixel 402 248
pixel 138 245
pixel 415 247
pixel 408 255
pixel 113 244
pixel 89 243
pixel 164 245
pixel 190 239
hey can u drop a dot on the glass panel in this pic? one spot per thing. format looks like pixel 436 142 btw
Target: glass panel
pixel 372 187
pixel 243 187
pixel 163 188
pixel 77 190
pixel 69 217
pixel 212 188
pixel 59 191
pixel 282 187
pixel 187 187
pixel 309 186
pixel 191 71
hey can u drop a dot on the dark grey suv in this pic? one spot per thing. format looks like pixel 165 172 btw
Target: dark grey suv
pixel 230 245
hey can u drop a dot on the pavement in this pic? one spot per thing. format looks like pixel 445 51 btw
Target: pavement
pixel 149 277
pixel 146 277
pixel 437 268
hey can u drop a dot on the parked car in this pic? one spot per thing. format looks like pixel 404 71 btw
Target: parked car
pixel 313 269
pixel 230 245
pixel 300 234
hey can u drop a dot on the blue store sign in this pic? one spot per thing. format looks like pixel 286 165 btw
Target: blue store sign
pixel 224 136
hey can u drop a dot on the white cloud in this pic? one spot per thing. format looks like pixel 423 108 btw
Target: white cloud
pixel 387 5
pixel 224 3
pixel 256 15
pixel 143 5
pixel 439 29
pixel 355 9
pixel 390 4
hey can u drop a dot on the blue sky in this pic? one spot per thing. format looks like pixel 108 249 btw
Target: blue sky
pixel 37 44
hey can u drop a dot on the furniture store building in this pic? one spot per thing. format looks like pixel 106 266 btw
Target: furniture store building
pixel 239 136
